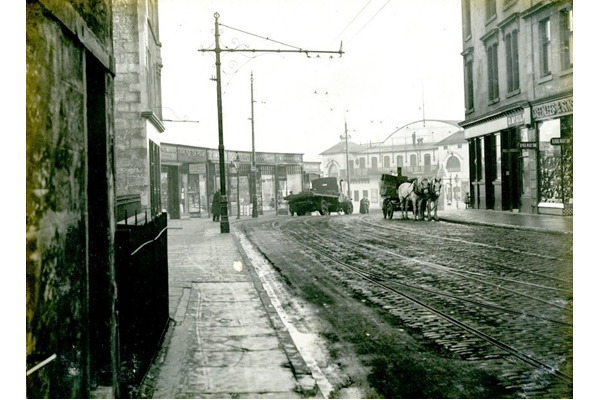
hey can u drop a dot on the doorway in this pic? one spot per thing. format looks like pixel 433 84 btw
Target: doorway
pixel 511 169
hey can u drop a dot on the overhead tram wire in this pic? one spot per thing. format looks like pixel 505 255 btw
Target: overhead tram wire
pixel 382 7
pixel 353 19
pixel 262 37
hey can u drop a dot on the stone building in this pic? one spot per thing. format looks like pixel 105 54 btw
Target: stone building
pixel 138 115
pixel 518 74
pixel 70 273
pixel 426 148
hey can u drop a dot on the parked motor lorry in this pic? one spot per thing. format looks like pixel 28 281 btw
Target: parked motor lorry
pixel 324 196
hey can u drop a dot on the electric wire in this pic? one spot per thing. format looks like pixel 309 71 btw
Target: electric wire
pixel 353 19
pixel 258 36
pixel 382 7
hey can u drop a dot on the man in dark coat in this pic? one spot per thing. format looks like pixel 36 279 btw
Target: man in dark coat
pixel 216 206
pixel 364 205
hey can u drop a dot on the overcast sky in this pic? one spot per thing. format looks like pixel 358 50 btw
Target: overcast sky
pixel 397 53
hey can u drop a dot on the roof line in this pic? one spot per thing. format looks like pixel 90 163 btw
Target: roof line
pixel 421 120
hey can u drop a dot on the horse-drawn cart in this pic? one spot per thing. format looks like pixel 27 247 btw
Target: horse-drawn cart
pixel 388 189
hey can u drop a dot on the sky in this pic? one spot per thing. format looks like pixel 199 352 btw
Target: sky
pixel 398 56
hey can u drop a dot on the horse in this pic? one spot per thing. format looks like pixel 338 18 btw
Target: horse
pixel 416 191
pixel 435 189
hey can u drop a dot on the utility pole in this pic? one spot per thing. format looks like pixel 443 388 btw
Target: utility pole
pixel 347 166
pixel 218 50
pixel 253 160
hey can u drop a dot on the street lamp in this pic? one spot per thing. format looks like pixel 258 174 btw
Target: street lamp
pixel 236 164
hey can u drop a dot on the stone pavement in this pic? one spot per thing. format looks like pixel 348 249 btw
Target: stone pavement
pixel 225 340
pixel 507 219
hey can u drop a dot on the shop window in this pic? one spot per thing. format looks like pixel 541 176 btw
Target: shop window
pixel 362 162
pixel 413 160
pixel 399 161
pixel 556 161
pixel 373 162
pixel 356 194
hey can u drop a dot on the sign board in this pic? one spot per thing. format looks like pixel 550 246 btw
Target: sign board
pixel 515 119
pixel 527 145
pixel 558 141
pixel 197 168
pixel 553 108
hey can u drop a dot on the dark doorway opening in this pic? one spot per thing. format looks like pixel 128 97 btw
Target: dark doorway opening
pixel 511 169
pixel 489 144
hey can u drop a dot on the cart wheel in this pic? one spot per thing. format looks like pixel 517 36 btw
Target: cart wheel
pixel 384 207
pixel 390 210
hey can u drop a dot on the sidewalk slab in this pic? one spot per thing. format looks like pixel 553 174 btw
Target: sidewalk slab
pixel 225 341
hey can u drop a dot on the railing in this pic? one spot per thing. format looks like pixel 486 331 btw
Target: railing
pixel 142 295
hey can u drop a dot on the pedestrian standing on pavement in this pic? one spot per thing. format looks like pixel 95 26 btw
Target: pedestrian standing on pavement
pixel 364 205
pixel 216 206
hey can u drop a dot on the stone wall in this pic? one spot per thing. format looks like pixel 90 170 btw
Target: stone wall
pixel 57 226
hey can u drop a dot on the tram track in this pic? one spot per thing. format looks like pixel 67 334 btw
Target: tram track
pixel 321 246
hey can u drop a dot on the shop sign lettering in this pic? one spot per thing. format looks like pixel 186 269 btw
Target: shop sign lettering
pixel 553 108
pixel 558 141
pixel 289 158
pixel 316 168
pixel 168 153
pixel 516 119
pixel 197 168
pixel 528 145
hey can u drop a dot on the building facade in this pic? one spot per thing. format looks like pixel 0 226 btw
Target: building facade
pixel 70 270
pixel 427 148
pixel 190 176
pixel 138 105
pixel 518 74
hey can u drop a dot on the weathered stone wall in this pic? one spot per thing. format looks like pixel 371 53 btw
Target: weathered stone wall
pixel 56 190
pixel 131 144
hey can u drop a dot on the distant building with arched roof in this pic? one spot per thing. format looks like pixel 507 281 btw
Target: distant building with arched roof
pixel 428 148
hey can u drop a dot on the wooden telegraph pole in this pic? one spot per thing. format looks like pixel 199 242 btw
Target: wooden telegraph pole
pixel 218 50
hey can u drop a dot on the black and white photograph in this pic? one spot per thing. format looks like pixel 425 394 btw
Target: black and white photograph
pixel 304 199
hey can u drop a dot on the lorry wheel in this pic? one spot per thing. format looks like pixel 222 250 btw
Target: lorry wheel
pixel 349 209
pixel 324 208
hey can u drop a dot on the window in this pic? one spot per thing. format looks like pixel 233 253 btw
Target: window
pixel 511 41
pixel 356 194
pixel 413 160
pixel 362 162
pixel 333 171
pixel 453 164
pixel 374 162
pixel 399 161
pixel 490 8
pixel 492 60
pixel 467 17
pixel 545 47
pixel 566 22
pixel 459 146
pixel 470 102
pixel 386 161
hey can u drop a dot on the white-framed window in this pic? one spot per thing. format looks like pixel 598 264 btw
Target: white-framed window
pixel 545 51
pixel 511 42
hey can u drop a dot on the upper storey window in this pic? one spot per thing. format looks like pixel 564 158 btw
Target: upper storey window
pixel 545 37
pixel 490 9
pixel 566 22
pixel 467 17
pixel 492 71
pixel 511 41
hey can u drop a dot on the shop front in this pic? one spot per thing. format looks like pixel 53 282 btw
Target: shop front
pixel 554 124
pixel 499 161
pixel 191 175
